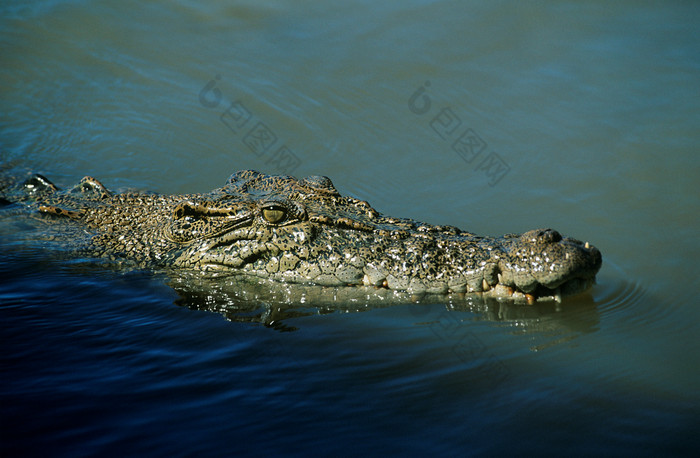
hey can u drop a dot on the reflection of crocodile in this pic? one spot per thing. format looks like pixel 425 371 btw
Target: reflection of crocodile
pixel 276 305
pixel 304 231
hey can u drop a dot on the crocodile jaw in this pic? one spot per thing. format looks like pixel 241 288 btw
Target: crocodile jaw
pixel 533 266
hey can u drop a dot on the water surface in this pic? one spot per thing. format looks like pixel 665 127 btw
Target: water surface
pixel 581 116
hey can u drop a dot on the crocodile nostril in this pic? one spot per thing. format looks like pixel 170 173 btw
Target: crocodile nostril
pixel 539 236
pixel 549 236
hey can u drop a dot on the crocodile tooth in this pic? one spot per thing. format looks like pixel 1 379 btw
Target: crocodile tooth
pixel 485 285
pixel 530 299
pixel 500 278
pixel 557 295
pixel 587 245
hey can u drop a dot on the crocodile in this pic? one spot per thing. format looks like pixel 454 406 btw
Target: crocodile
pixel 303 231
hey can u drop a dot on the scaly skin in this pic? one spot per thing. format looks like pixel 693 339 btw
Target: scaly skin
pixel 304 231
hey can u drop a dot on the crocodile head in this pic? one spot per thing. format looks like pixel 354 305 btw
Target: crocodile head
pixel 305 231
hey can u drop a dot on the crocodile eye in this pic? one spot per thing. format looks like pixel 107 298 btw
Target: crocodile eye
pixel 274 215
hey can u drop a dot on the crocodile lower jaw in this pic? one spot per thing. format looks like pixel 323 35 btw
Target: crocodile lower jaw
pixel 542 293
pixel 499 290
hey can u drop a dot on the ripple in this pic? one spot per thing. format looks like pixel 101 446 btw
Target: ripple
pixel 621 300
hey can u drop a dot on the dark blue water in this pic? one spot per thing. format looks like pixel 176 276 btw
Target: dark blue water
pixel 104 363
pixel 582 117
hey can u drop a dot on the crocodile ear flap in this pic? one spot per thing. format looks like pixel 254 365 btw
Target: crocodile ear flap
pixel 58 211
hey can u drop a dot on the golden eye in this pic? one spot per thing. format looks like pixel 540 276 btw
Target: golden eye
pixel 274 215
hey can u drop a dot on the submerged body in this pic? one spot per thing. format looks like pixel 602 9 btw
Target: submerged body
pixel 304 231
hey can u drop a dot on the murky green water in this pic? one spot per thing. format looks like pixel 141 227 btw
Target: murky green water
pixel 492 116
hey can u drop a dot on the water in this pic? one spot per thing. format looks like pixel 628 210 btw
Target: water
pixel 578 116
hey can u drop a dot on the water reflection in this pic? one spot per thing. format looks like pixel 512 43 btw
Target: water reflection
pixel 276 305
